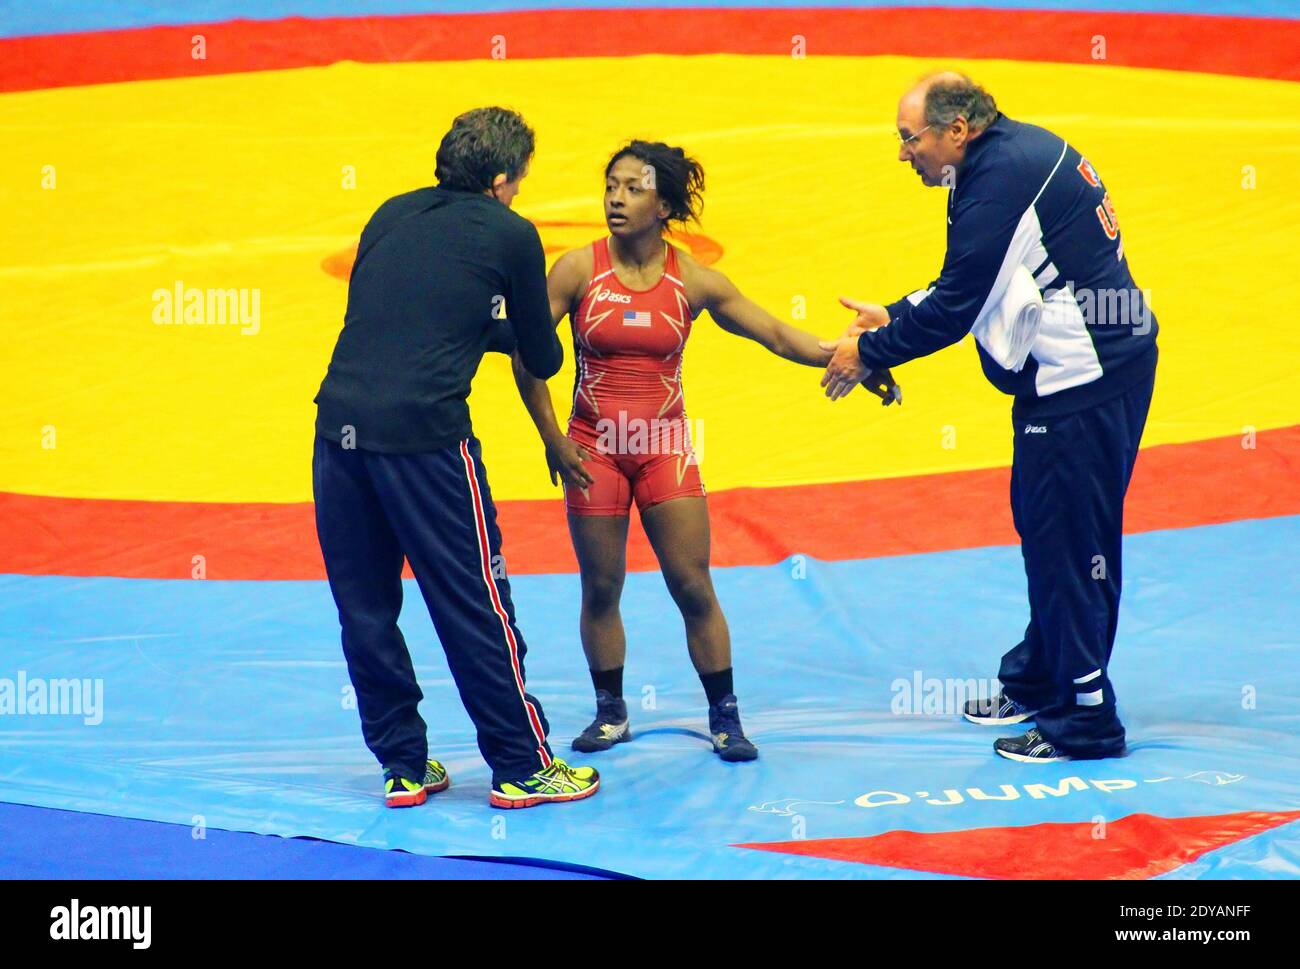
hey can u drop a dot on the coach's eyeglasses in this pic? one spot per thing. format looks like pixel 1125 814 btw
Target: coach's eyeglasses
pixel 904 142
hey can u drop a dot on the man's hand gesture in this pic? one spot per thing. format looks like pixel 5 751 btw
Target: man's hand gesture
pixel 846 370
pixel 871 316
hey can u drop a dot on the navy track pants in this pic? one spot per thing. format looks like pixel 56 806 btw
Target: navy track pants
pixel 1069 476
pixel 435 510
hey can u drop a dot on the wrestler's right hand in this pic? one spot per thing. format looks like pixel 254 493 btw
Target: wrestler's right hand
pixel 564 458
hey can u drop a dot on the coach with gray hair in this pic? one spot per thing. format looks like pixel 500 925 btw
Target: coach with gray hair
pixel 1029 221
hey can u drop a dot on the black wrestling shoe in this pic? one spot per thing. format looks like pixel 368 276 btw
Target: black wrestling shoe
pixel 729 740
pixel 609 728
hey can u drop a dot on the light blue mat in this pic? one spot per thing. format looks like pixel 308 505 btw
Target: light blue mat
pixel 225 703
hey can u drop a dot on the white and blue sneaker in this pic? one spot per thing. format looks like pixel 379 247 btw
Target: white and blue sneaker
pixel 998 710
pixel 1029 748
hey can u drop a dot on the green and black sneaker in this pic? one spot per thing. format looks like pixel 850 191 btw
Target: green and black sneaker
pixel 559 782
pixel 402 792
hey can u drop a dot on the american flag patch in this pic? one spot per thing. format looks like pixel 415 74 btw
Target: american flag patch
pixel 640 318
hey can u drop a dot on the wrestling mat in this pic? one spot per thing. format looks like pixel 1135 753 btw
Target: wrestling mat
pixel 158 545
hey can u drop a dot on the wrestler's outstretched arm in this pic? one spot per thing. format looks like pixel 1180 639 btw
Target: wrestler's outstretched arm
pixel 736 313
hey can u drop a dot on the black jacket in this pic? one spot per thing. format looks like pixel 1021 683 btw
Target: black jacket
pixel 440 277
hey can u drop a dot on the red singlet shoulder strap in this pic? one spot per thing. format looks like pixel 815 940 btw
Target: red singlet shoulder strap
pixel 600 257
pixel 671 264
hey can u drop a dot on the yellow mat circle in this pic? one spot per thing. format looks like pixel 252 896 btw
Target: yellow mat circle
pixel 115 193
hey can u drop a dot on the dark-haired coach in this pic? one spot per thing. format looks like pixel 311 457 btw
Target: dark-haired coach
pixel 397 472
pixel 1021 196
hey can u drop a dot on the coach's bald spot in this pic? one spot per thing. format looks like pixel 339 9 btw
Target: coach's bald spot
pixel 911 106
pixel 930 149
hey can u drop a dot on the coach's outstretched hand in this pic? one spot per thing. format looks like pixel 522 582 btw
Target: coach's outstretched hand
pixel 846 370
pixel 871 316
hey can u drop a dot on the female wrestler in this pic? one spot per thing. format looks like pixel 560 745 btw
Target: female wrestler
pixel 632 298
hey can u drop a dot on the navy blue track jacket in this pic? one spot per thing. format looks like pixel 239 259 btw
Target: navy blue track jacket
pixel 1025 197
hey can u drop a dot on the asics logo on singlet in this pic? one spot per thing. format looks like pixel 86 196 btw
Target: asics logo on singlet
pixel 606 294
pixel 1035 429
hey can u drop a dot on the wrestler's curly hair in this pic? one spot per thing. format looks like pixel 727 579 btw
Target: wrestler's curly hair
pixel 678 178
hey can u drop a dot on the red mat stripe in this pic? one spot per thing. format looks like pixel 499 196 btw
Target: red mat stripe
pixel 1248 46
pixel 1174 486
